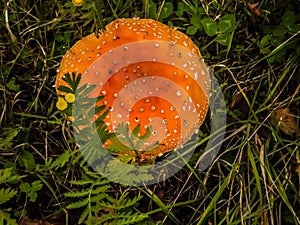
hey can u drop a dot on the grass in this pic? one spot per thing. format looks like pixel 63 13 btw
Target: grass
pixel 255 178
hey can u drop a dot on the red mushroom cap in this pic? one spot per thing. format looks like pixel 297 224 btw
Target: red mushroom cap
pixel 147 71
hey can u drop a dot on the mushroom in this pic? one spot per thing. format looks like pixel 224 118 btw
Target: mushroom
pixel 150 75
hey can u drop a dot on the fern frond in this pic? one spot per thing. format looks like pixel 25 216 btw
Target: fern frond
pixel 73 80
pixel 6 219
pixel 7 176
pixel 77 194
pixel 79 204
pixel 65 89
pixel 7 136
pixel 131 218
pixel 128 173
pixel 6 194
pixel 61 160
pixel 101 208
pixel 101 189
pixel 127 202
pixel 84 215
pixel 81 182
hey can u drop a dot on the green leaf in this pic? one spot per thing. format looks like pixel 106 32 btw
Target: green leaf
pixel 61 160
pixel 8 134
pixel 6 219
pixel 11 85
pixel 59 38
pixel 65 89
pixel 196 21
pixel 265 40
pixel 227 23
pixel 95 200
pixel 294 29
pixel 25 187
pixel 166 10
pixel 147 134
pixel 279 31
pixel 191 30
pixel 81 182
pixel 136 130
pixel 27 160
pixel 37 185
pixel 73 80
pixel 152 10
pixel 277 40
pixel 223 39
pixel 77 194
pixel 79 204
pixel 180 6
pixel 210 26
pixel 6 176
pixel 125 158
pixel 83 216
pixel 288 19
pixel 6 194
pixel 31 190
pixel 118 146
pixel 180 9
pixel 32 196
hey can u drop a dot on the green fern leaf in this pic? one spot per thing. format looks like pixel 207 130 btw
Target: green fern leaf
pixel 97 198
pixel 77 194
pixel 129 174
pixel 6 194
pixel 101 189
pixel 65 89
pixel 8 134
pixel 84 215
pixel 6 176
pixel 129 218
pixel 84 90
pixel 136 130
pixel 130 202
pixel 147 134
pixel 73 80
pixel 81 182
pixel 79 204
pixel 6 219
pixel 61 160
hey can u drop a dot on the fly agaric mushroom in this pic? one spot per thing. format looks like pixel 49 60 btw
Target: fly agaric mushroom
pixel 150 75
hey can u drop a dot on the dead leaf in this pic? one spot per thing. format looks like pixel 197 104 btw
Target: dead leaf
pixel 238 102
pixel 254 10
pixel 285 121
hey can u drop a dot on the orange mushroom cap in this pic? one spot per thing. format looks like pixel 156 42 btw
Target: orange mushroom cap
pixel 150 75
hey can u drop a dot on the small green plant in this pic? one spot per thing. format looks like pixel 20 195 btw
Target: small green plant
pixel 7 177
pixel 223 30
pixel 7 136
pixel 27 161
pixel 165 10
pixel 153 11
pixel 275 36
pixel 31 189
pixel 99 207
